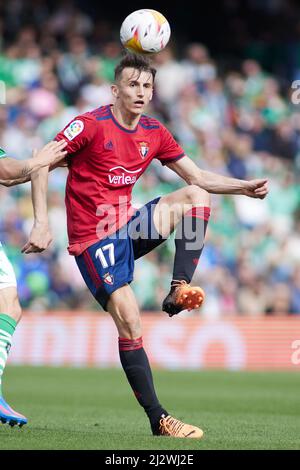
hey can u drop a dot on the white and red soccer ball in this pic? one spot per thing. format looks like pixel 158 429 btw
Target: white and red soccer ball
pixel 145 32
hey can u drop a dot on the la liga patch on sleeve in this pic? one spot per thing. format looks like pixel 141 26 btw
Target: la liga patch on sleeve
pixel 74 129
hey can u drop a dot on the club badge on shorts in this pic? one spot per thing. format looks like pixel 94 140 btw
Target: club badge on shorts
pixel 108 279
pixel 74 129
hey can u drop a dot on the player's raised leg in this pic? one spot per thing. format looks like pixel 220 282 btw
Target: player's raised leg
pixel 124 310
pixel 10 315
pixel 188 211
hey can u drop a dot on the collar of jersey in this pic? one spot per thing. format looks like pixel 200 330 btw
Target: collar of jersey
pixel 120 126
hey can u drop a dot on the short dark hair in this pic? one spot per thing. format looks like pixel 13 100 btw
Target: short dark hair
pixel 134 61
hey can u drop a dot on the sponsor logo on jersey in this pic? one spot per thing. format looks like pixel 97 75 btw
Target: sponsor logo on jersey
pixel 144 149
pixel 108 279
pixel 74 129
pixel 122 176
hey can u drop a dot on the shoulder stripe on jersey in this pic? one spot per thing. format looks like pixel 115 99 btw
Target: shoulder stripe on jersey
pixel 149 123
pixel 101 112
pixel 145 126
pixel 152 121
pixel 103 118
pixel 144 117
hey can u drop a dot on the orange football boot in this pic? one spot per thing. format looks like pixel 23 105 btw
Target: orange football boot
pixel 172 427
pixel 182 296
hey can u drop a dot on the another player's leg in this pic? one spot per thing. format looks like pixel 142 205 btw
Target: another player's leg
pixel 188 211
pixel 124 310
pixel 10 315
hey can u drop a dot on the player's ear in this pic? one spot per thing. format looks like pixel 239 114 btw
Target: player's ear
pixel 114 90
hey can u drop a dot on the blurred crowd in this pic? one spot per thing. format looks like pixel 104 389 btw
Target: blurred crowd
pixel 240 122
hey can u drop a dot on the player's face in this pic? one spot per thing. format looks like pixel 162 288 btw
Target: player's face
pixel 134 90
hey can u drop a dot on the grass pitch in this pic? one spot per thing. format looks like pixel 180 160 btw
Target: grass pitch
pixel 70 409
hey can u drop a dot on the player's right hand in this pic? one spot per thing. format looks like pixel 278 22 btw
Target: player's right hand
pixel 52 152
pixel 257 188
pixel 39 239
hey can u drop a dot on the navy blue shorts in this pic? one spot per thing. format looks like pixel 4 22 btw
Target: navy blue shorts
pixel 109 264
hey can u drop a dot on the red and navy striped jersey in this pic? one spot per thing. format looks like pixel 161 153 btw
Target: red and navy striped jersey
pixel 105 161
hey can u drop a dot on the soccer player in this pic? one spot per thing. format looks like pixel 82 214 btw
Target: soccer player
pixel 13 172
pixel 109 148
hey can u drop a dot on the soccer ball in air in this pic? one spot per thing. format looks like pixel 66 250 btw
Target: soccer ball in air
pixel 145 32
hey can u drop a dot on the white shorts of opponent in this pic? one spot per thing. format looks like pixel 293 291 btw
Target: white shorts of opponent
pixel 7 274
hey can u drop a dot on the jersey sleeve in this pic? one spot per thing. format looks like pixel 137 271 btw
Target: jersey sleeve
pixel 78 133
pixel 169 150
pixel 2 153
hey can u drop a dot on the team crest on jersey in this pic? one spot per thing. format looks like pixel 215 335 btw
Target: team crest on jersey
pixel 144 149
pixel 108 279
pixel 74 129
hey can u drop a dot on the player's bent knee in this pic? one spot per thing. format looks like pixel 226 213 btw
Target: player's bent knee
pixel 195 195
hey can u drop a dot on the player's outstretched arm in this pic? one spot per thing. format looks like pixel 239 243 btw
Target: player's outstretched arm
pixel 40 236
pixel 16 181
pixel 218 184
pixel 19 171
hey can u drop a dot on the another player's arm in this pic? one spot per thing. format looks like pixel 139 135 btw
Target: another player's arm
pixel 78 133
pixel 12 169
pixel 40 236
pixel 218 184
pixel 17 181
pixel 19 171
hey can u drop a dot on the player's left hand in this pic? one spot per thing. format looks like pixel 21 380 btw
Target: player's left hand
pixel 39 239
pixel 256 188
